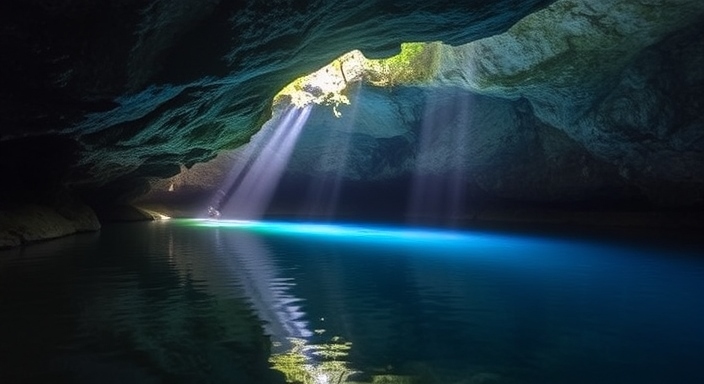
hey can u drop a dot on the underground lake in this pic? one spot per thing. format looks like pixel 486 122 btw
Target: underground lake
pixel 220 301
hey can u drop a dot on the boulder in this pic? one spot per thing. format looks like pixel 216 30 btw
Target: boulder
pixel 30 223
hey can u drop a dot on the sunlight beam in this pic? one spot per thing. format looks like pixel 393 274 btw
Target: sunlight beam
pixel 323 193
pixel 243 162
pixel 255 182
pixel 439 180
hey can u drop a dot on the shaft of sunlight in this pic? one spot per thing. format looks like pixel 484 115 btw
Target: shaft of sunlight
pixel 254 181
pixel 243 161
pixel 439 181
pixel 323 193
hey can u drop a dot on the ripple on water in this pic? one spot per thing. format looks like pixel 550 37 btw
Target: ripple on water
pixel 173 302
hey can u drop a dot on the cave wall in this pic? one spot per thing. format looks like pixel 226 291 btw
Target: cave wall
pixel 621 78
pixel 589 104
pixel 537 101
pixel 147 87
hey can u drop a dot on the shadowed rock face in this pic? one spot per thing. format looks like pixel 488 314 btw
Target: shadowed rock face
pixel 582 100
pixel 618 77
pixel 538 114
pixel 145 87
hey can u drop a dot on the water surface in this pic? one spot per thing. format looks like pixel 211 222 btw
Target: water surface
pixel 189 301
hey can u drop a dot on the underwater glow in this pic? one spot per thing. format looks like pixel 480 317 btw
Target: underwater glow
pixel 492 246
pixel 349 231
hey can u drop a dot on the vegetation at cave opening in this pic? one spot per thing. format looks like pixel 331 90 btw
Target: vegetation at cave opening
pixel 414 65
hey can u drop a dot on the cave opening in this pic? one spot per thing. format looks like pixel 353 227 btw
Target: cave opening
pixel 386 142
pixel 260 182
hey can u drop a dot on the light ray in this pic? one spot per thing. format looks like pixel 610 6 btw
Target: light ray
pixel 438 184
pixel 323 193
pixel 244 161
pixel 253 181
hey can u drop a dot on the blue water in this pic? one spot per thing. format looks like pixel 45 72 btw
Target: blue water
pixel 204 302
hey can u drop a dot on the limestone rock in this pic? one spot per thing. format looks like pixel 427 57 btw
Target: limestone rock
pixel 30 223
pixel 614 76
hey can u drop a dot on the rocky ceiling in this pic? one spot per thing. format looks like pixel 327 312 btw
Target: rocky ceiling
pixel 570 100
pixel 137 88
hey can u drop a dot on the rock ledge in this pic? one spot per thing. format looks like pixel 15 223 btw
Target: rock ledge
pixel 28 223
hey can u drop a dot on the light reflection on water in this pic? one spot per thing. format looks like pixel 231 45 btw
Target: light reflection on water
pixel 187 302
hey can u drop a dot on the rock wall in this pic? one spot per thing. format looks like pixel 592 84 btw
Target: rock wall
pixel 495 144
pixel 580 102
pixel 542 102
pixel 97 98
pixel 27 223
pixel 621 78
pixel 147 87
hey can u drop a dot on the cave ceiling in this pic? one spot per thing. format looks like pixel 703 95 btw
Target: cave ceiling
pixel 601 94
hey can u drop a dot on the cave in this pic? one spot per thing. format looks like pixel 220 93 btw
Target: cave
pixel 365 191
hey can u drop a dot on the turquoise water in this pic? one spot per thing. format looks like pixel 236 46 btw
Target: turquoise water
pixel 240 302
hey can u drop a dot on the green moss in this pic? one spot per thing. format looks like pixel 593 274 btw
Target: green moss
pixel 415 64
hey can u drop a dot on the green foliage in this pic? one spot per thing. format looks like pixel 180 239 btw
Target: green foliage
pixel 416 63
